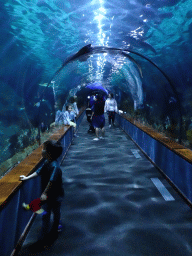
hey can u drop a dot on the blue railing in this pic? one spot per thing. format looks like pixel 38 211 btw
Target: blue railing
pixel 177 169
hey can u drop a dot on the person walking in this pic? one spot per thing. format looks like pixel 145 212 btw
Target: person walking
pixel 111 108
pixel 98 118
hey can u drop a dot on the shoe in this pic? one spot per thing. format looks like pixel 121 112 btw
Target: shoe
pixel 75 135
pixel 110 126
pixel 96 139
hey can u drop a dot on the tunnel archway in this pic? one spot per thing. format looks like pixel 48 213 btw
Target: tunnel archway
pixel 87 51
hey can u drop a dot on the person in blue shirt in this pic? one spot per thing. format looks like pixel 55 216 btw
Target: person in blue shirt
pixel 53 192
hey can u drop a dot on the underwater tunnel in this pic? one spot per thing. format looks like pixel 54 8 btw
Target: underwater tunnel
pixel 139 50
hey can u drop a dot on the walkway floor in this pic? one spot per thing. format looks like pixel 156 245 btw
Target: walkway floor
pixel 113 206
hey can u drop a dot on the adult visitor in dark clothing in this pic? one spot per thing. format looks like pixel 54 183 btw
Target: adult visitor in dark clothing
pixel 89 118
pixel 98 118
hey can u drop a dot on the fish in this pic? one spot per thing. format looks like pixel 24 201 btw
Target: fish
pixel 85 50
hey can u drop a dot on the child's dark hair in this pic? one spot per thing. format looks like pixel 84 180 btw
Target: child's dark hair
pixel 53 149
pixel 111 94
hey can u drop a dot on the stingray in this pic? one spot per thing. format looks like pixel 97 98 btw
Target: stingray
pixel 84 53
pixel 139 43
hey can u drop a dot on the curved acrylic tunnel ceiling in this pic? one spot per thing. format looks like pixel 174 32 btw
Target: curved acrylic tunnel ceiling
pixel 101 68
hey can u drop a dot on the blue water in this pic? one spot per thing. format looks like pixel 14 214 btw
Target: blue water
pixel 37 36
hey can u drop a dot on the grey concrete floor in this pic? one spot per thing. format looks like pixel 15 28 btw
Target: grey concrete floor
pixel 112 207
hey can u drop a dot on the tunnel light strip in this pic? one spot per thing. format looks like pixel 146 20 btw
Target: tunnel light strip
pixel 135 153
pixel 162 189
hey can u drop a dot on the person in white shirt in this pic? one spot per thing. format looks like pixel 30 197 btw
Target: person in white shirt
pixel 111 108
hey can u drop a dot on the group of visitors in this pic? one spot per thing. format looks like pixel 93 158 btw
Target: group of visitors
pixel 51 174
pixel 97 106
